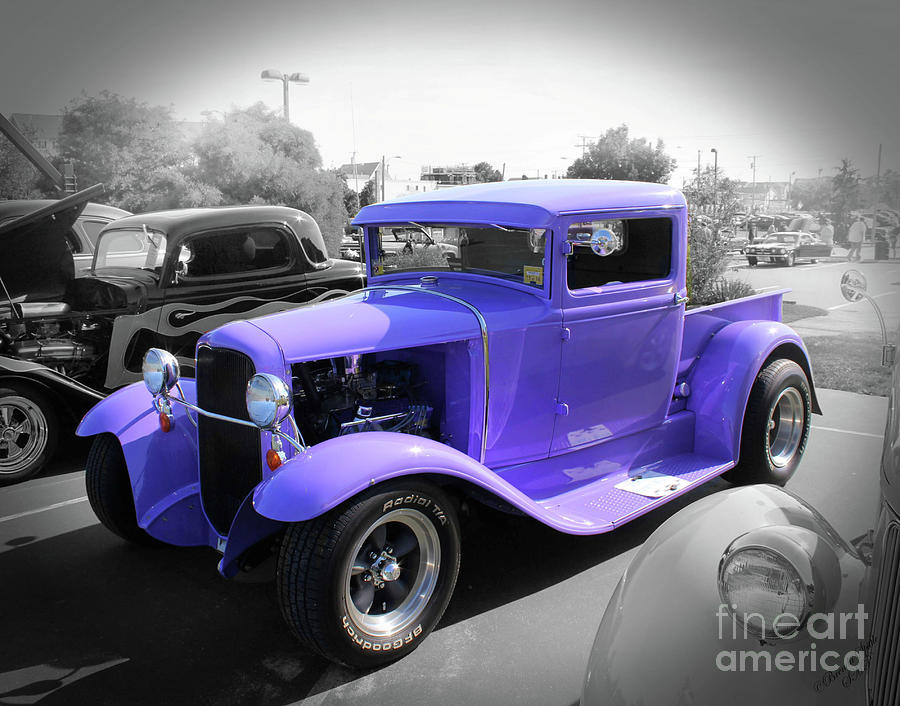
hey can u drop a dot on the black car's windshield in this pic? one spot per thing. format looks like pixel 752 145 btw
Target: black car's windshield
pixel 789 238
pixel 515 254
pixel 130 247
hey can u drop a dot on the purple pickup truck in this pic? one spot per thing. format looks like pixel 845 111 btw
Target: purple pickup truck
pixel 547 366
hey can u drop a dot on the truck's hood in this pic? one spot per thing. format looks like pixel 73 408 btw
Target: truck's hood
pixel 359 323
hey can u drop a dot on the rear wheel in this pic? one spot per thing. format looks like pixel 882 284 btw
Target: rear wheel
pixel 776 425
pixel 365 583
pixel 109 490
pixel 29 432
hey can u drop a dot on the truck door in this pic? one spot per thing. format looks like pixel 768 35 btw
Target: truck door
pixel 622 326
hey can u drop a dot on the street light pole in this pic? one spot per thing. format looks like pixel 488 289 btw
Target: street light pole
pixel 715 181
pixel 276 75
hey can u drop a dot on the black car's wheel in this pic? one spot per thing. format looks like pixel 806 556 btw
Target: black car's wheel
pixel 752 261
pixel 814 260
pixel 109 490
pixel 29 432
pixel 776 425
pixel 790 260
pixel 365 583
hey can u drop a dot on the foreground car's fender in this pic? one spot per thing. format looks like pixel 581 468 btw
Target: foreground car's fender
pixel 327 474
pixel 162 467
pixel 721 380
pixel 663 640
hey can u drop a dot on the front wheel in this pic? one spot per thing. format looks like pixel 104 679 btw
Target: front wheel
pixel 776 425
pixel 29 432
pixel 365 583
pixel 752 261
pixel 109 490
pixel 790 260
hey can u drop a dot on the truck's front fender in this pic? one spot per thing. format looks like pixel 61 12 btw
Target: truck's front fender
pixel 721 380
pixel 162 466
pixel 327 474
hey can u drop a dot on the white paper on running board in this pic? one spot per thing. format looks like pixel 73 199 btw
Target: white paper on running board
pixel 653 485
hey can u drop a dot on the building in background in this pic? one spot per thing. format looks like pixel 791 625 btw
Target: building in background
pixel 454 175
pixel 401 178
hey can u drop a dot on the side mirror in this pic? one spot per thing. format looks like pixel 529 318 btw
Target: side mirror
pixel 853 289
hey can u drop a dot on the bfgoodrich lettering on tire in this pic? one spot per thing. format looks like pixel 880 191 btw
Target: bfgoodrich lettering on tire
pixel 776 425
pixel 365 583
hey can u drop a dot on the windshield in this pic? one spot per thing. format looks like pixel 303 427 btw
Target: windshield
pixel 514 254
pixel 790 238
pixel 120 247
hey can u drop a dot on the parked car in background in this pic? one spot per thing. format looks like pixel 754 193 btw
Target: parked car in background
pixel 351 245
pixel 157 279
pixel 81 237
pixel 752 594
pixel 786 248
pixel 548 368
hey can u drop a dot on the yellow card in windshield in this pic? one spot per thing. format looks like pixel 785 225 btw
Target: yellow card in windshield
pixel 533 275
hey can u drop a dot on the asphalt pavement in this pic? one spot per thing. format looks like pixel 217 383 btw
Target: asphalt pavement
pixel 90 619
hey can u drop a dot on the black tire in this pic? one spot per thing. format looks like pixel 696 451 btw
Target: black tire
pixel 109 490
pixel 323 564
pixel 814 260
pixel 771 454
pixel 29 431
pixel 752 261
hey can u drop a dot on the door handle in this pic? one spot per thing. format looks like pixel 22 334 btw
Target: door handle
pixel 679 299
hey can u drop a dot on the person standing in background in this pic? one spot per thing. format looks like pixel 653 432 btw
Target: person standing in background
pixel 826 232
pixel 855 236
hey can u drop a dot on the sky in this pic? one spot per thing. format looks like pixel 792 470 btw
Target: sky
pixel 801 84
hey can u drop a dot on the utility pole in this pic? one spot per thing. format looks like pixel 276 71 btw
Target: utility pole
pixel 584 142
pixel 875 199
pixel 698 167
pixel 753 189
pixel 715 180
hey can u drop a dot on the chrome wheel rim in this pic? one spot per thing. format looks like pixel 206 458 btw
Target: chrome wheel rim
pixel 392 572
pixel 23 434
pixel 787 420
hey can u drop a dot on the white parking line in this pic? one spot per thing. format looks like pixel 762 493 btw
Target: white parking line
pixel 43 509
pixel 847 431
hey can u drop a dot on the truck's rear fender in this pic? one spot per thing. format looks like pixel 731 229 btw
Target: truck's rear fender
pixel 721 379
pixel 329 473
pixel 162 466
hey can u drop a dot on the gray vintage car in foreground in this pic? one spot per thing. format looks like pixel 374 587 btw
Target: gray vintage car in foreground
pixel 749 597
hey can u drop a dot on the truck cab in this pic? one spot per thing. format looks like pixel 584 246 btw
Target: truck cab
pixel 536 357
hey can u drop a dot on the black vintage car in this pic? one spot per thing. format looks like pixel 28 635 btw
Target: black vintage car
pixel 786 248
pixel 157 280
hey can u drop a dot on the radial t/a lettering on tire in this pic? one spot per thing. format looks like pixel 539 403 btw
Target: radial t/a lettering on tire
pixel 776 425
pixel 365 583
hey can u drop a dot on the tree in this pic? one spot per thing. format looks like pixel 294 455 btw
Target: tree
pixel 367 194
pixel 844 197
pixel 615 156
pixel 132 148
pixel 484 172
pixel 18 177
pixel 713 203
pixel 254 155
pixel 812 194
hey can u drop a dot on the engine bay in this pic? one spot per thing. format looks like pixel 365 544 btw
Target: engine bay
pixel 356 393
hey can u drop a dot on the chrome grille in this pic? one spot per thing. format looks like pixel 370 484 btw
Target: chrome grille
pixel 884 680
pixel 230 455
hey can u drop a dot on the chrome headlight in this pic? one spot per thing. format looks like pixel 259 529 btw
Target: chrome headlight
pixel 269 400
pixel 160 370
pixel 764 592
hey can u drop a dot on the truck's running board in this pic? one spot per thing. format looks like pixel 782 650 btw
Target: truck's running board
pixel 601 506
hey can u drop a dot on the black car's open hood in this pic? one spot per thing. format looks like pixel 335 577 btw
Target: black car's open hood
pixel 36 262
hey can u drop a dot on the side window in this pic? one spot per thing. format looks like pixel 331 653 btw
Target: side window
pixel 618 250
pixel 92 230
pixel 235 252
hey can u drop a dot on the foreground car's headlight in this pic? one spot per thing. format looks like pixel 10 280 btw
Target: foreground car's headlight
pixel 764 592
pixel 160 370
pixel 269 400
